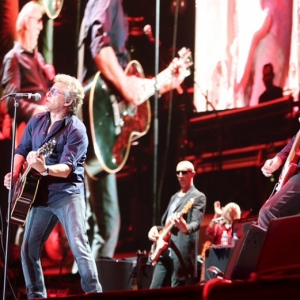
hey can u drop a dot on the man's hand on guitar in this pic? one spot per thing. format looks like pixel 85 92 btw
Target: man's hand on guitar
pixel 153 234
pixel 36 161
pixel 179 222
pixel 271 165
pixel 179 69
pixel 134 88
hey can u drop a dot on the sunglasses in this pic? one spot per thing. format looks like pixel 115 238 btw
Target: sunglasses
pixel 55 92
pixel 182 172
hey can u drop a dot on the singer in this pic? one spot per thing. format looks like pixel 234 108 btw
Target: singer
pixel 60 191
pixel 222 221
pixel 24 69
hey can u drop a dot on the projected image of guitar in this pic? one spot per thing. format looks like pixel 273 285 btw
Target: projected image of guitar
pixel 112 123
pixel 25 189
pixel 164 236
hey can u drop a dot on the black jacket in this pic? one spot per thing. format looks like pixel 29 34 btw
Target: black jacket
pixel 185 246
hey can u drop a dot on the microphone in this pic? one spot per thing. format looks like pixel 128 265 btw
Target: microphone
pixel 216 220
pixel 149 34
pixel 35 96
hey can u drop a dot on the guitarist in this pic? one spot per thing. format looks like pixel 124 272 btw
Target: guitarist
pixel 105 33
pixel 177 264
pixel 286 201
pixel 59 196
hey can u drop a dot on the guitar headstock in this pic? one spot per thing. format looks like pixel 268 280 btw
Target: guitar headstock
pixel 188 206
pixel 47 148
pixel 185 56
pixel 206 246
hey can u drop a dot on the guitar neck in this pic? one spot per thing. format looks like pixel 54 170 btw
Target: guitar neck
pixel 28 169
pixel 158 82
pixel 168 227
pixel 294 153
pixel 161 79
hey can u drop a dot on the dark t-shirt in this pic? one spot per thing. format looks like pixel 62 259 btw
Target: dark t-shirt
pixel 22 72
pixel 274 93
pixel 105 25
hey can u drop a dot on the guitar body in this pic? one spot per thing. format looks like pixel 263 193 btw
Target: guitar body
pixel 24 192
pixel 286 174
pixel 112 124
pixel 164 236
pixel 25 189
pixel 159 246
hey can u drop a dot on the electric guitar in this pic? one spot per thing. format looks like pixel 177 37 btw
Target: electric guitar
pixel 25 189
pixel 164 235
pixel 206 246
pixel 290 166
pixel 112 123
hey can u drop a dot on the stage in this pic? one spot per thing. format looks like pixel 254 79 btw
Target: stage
pixel 271 287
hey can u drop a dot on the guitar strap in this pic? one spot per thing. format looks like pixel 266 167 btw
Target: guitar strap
pixel 57 135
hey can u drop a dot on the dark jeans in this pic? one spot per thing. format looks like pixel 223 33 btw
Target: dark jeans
pixel 164 275
pixel 286 202
pixel 70 211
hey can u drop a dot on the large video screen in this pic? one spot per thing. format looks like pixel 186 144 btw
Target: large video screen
pixel 234 39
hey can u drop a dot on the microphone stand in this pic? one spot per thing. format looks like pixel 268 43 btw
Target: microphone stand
pixel 156 204
pixel 16 104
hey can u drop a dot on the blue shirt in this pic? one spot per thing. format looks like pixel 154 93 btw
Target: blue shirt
pixel 70 149
pixel 105 25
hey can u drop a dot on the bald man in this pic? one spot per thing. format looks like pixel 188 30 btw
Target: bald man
pixel 176 265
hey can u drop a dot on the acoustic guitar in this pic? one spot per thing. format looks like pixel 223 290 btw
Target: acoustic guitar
pixel 164 236
pixel 25 189
pixel 112 123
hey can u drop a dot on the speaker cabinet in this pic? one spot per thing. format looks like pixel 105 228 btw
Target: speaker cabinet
pixel 115 275
pixel 216 257
pixel 281 249
pixel 241 226
pixel 244 256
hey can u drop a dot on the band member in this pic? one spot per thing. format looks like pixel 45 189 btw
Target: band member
pixel 177 264
pixel 105 34
pixel 285 202
pixel 59 195
pixel 222 221
pixel 23 69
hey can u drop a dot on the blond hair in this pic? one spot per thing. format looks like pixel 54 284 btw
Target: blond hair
pixel 74 90
pixel 26 12
pixel 233 209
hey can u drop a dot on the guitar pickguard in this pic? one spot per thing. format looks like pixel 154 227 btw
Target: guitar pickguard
pixel 110 134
